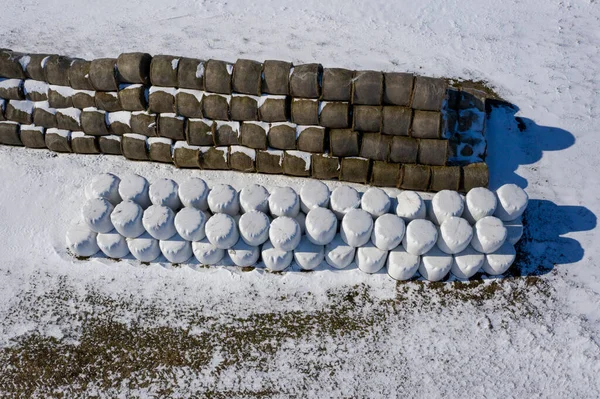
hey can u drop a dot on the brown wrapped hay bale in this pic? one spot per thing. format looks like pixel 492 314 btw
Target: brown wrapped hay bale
pixel 108 101
pixel 334 115
pixel 58 140
pixel 9 133
pixel 163 70
pixel 159 149
pixel 398 88
pixel 444 178
pixel 185 155
pixel 426 125
pixel 134 147
pixel 12 89
pixel 144 123
pixel 68 119
pixel 396 121
pixel 60 96
pixel 10 65
pixel 367 88
pixel 415 177
pixel 355 169
pixel 242 159
pixel 200 132
pixel 134 67
pixel 305 81
pixel 217 76
pixel 305 111
pixel 310 138
pixel 33 136
pixel 191 74
pixel 162 99
pixel 214 158
pixel 133 97
pixel 297 163
pixel 57 70
pixel 93 122
pixel 475 175
pixel 367 118
pixel 429 93
pixel 216 106
pixel 325 166
pixel 84 144
pixel 433 152
pixel 84 99
pixel 375 146
pixel 275 77
pixel 44 116
pixel 269 161
pixel 337 84
pixel 110 144
pixel 35 67
pixel 79 75
pixel 189 103
pixel 247 77
pixel 171 126
pixel 404 150
pixel 254 134
pixel 19 111
pixel 227 133
pixel 34 90
pixel 273 108
pixel 385 174
pixel 282 136
pixel 119 122
pixel 344 142
pixel 244 108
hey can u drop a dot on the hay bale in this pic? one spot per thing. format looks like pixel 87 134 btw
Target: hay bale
pixel 68 119
pixel 433 152
pixel 34 90
pixel 355 169
pixel 2 107
pixel 79 75
pixel 242 159
pixel 282 136
pixel 310 138
pixel 334 115
pixel 84 144
pixel 10 65
pixel 475 175
pixel 273 108
pixel 344 142
pixel 214 158
pixel 56 69
pixel 305 111
pixel 426 125
pixel 217 76
pixel 171 126
pixel 297 163
pixel 227 133
pixel 159 149
pixel 144 123
pixel 244 108
pixel 367 118
pixel 305 81
pixel 275 77
pixel 93 122
pixel 200 132
pixel 247 77
pixel 35 67
pixel 185 155
pixel 445 178
pixel 396 121
pixel 415 177
pixel 108 101
pixel 9 133
pixel 110 145
pixel 58 140
pixel 337 84
pixel 19 111
pixel 162 99
pixel 375 146
pixel 325 166
pixel 12 89
pixel 119 122
pixel 191 74
pixel 398 88
pixel 134 147
pixel 404 150
pixel 33 136
pixel 163 70
pixel 216 106
pixel 134 67
pixel 60 96
pixel 189 103
pixel 429 93
pixel 44 116
pixel 254 134
pixel 269 161
pixel 385 174
pixel 133 97
pixel 84 99
pixel 367 88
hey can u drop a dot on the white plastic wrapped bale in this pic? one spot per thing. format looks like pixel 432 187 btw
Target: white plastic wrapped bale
pixel 144 248
pixel 435 264
pixel 254 227
pixel 105 185
pixel 112 244
pixel 190 224
pixel 356 228
pixel 479 203
pixel 135 188
pixel 276 259
pixel 489 234
pixel 369 258
pixel 176 249
pixel 301 219
pixel 254 198
pixel 159 222
pixel 308 255
pixel 388 232
pixel 242 254
pixel 338 254
pixel 207 253
pixel 410 206
pixel 466 263
pixel 512 202
pixel 81 240
pixel 375 201
pixel 420 237
pixel 193 193
pixel 514 230
pixel 343 199
pixel 96 214
pixel 314 194
pixel 222 231
pixel 165 192
pixel 284 233
pixel 224 199
pixel 401 265
pixel 500 260
pixel 454 235
pixel 127 219
pixel 284 201
pixel 321 226
pixel 445 204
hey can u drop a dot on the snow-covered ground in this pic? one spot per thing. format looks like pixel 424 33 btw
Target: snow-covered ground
pixel 108 329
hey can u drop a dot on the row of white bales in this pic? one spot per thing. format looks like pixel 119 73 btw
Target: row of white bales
pixel 451 233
